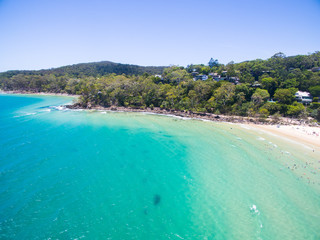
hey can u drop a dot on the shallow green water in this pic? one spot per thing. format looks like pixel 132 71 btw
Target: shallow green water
pixel 102 175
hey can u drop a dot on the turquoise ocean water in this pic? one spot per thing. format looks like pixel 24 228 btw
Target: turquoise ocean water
pixel 102 175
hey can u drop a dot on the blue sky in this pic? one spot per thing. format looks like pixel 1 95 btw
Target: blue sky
pixel 37 34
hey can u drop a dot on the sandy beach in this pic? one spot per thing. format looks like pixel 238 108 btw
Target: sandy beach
pixel 288 128
pixel 293 129
pixel 299 133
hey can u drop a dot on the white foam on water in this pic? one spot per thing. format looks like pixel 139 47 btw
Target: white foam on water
pixel 174 116
pixel 274 145
pixel 254 209
pixel 63 231
pixel 25 114
pixel 178 236
pixel 245 127
pixel 307 147
pixel 261 138
pixel 103 112
pixel 149 113
pixel 60 108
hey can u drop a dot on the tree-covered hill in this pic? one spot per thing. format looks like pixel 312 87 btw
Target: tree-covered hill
pixel 93 69
pixel 258 88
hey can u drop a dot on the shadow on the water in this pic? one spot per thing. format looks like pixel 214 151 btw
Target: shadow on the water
pixel 74 150
pixel 156 199
pixel 145 212
pixel 44 107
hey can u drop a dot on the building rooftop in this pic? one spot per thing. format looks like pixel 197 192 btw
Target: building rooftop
pixel 303 94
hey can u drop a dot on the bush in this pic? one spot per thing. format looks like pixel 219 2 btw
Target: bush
pixel 315 90
pixel 295 110
pixel 276 117
pixel 272 107
pixel 315 105
pixel 284 96
pixel 251 112
pixel 264 113
pixel 316 114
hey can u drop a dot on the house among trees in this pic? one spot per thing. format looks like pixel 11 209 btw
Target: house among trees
pixel 256 84
pixel 234 80
pixel 200 77
pixel 215 76
pixel 194 74
pixel 158 76
pixel 315 69
pixel 303 97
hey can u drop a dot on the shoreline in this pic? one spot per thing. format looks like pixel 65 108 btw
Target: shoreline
pixel 290 129
pixel 38 93
pixel 183 114
pixel 203 116
pixel 295 130
pixel 299 134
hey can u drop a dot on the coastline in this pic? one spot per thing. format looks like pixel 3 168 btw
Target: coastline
pixel 204 116
pixel 183 114
pixel 292 129
pixel 38 93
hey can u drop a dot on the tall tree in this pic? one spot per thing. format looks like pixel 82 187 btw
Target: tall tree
pixel 213 63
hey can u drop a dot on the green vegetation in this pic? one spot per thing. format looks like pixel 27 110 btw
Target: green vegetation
pixel 95 69
pixel 258 81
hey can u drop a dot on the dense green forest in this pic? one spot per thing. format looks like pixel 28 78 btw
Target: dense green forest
pixel 94 69
pixel 253 88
